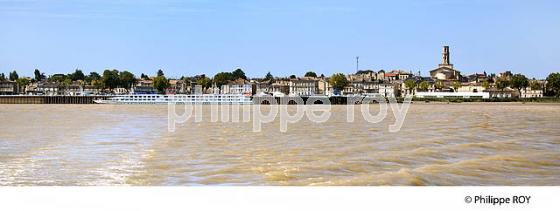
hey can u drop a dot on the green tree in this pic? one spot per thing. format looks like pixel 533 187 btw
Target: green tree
pixel 97 84
pixel 338 81
pixel 485 84
pixel 77 75
pixel 2 77
pixel 58 78
pixel 424 85
pixel 519 81
pixel 410 85
pixel 222 78
pixel 126 79
pixel 144 76
pixel 93 76
pixel 535 85
pixel 67 82
pixel 38 75
pixel 238 73
pixel 22 83
pixel 293 77
pixel 456 85
pixel 204 82
pixel 110 79
pixel 310 74
pixel 13 76
pixel 161 83
pixel 501 83
pixel 553 84
pixel 160 73
pixel 268 77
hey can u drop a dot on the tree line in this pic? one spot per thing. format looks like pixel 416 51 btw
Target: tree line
pixel 111 79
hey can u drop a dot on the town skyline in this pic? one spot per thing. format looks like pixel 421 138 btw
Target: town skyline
pixel 194 37
pixel 357 60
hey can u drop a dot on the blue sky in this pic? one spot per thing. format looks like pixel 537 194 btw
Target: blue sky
pixel 285 37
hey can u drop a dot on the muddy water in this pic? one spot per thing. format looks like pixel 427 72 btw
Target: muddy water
pixel 439 144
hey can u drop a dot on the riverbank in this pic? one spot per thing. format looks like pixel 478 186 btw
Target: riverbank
pixel 335 100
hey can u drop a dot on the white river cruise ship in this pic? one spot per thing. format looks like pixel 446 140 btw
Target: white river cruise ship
pixel 179 99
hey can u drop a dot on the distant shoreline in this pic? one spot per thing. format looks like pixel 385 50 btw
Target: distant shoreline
pixel 334 100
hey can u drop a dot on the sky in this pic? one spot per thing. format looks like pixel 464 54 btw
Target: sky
pixel 192 37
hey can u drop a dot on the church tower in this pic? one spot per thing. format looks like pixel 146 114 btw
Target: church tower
pixel 445 60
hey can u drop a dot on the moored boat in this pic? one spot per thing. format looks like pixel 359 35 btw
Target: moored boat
pixel 179 99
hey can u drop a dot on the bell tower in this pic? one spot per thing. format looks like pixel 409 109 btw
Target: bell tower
pixel 445 59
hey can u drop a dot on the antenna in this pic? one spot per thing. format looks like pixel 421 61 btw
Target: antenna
pixel 357 63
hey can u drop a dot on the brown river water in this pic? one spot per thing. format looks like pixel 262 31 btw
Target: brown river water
pixel 438 144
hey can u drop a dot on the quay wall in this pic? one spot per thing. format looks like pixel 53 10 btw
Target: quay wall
pixel 22 99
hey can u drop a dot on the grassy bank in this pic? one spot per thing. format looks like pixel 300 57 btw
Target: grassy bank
pixel 460 100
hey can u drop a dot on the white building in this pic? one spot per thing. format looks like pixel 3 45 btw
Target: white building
pixel 239 86
pixel 484 95
pixel 303 87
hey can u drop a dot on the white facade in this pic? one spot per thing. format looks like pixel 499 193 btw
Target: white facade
pixel 484 95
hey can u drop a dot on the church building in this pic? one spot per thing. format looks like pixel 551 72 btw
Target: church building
pixel 445 70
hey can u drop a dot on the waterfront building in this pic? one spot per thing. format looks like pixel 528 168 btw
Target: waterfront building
pixel 389 89
pixel 505 93
pixel 177 87
pixel 445 70
pixel 239 86
pixel 281 85
pixel 484 95
pixel 471 87
pixel 263 87
pixel 324 87
pixel 8 88
pixel 49 88
pixel 531 93
pixel 143 86
pixel 303 87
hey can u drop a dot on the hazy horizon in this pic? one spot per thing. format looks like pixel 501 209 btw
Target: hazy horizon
pixel 289 37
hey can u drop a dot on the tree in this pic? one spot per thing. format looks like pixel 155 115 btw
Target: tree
pixel 535 85
pixel 292 76
pixel 97 83
pixel 501 83
pixel 486 84
pixel 22 83
pixel 519 81
pixel 59 78
pixel 2 77
pixel 553 84
pixel 126 79
pixel 238 73
pixel 110 79
pixel 204 82
pixel 410 85
pixel 93 76
pixel 13 76
pixel 424 85
pixel 77 75
pixel 310 74
pixel 160 73
pixel 38 75
pixel 161 83
pixel 268 77
pixel 222 78
pixel 144 76
pixel 456 85
pixel 338 81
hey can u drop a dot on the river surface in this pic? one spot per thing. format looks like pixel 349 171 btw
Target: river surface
pixel 438 144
